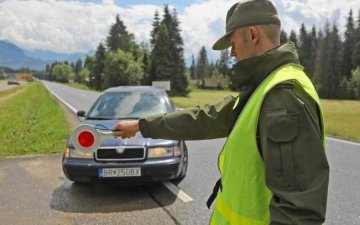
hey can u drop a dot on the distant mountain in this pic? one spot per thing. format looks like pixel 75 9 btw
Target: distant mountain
pixel 53 56
pixel 14 57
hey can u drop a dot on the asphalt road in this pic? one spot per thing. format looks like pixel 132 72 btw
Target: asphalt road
pixel 33 190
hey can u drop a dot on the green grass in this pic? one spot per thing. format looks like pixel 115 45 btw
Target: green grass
pixel 342 118
pixel 31 122
pixel 80 86
pixel 10 91
pixel 201 96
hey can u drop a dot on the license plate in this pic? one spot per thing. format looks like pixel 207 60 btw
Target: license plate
pixel 120 172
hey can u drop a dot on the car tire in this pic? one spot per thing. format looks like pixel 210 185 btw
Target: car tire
pixel 185 158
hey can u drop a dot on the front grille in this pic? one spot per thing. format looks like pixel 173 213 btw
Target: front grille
pixel 129 153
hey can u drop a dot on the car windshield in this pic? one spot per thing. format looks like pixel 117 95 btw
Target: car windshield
pixel 118 105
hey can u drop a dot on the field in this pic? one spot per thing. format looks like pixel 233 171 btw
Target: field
pixel 31 122
pixel 342 118
pixel 201 96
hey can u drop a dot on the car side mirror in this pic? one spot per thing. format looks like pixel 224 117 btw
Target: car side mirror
pixel 81 113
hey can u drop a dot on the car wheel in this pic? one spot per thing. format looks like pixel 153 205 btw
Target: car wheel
pixel 184 166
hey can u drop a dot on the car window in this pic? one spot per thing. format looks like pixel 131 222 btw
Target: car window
pixel 129 105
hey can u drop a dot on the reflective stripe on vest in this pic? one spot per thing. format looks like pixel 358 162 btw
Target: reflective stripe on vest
pixel 245 198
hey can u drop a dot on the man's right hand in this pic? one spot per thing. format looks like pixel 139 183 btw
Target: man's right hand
pixel 126 128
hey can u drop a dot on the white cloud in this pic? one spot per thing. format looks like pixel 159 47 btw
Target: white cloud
pixel 73 26
pixel 316 12
pixel 68 26
pixel 196 25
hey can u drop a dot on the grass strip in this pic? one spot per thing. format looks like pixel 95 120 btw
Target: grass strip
pixel 80 86
pixel 201 97
pixel 342 118
pixel 5 93
pixel 31 122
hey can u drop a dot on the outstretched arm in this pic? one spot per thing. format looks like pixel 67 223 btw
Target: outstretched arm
pixel 200 122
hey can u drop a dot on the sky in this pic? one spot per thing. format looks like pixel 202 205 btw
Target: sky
pixel 77 26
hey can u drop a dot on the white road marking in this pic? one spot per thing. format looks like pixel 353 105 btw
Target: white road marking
pixel 177 192
pixel 343 141
pixel 60 99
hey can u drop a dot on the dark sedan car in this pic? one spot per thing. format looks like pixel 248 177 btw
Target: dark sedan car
pixel 13 82
pixel 130 161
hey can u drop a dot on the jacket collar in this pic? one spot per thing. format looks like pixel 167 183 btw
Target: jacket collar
pixel 249 73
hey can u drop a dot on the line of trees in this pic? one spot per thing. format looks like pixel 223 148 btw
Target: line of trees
pixel 331 62
pixel 64 72
pixel 219 71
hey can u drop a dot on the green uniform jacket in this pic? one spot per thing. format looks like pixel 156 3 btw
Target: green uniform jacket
pixel 303 201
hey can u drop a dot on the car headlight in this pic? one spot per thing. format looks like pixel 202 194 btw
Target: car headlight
pixel 158 152
pixel 73 153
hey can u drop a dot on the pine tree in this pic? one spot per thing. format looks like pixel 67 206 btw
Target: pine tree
pixel 193 68
pixel 322 60
pixel 47 72
pixel 283 37
pixel 146 60
pixel 161 63
pixel 156 27
pixel 77 70
pixel 329 64
pixel 118 37
pixel 304 50
pixel 167 55
pixel 313 45
pixel 356 47
pixel 202 67
pixel 179 81
pixel 336 55
pixel 224 61
pixel 349 43
pixel 293 38
pixel 99 66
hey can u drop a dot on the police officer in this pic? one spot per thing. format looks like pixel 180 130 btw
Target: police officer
pixel 273 166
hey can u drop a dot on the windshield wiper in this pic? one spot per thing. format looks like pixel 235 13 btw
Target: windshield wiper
pixel 99 118
pixel 127 118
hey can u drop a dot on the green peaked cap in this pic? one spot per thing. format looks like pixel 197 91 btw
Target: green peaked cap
pixel 247 13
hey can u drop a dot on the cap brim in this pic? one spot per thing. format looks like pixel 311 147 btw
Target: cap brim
pixel 222 43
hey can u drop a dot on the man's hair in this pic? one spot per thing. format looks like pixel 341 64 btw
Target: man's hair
pixel 272 32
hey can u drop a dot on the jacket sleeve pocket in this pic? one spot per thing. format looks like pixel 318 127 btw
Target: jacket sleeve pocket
pixel 282 130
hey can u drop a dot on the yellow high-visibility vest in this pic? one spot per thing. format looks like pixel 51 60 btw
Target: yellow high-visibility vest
pixel 245 198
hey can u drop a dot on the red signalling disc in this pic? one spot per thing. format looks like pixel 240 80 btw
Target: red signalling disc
pixel 86 139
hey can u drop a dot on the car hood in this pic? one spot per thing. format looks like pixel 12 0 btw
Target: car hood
pixel 137 140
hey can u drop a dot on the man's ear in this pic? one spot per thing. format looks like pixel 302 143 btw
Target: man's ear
pixel 254 34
